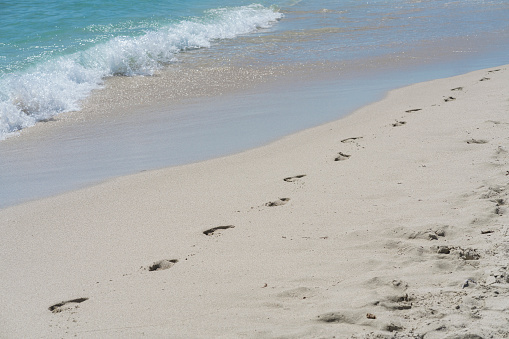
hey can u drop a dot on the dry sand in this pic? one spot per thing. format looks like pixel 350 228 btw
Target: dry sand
pixel 389 223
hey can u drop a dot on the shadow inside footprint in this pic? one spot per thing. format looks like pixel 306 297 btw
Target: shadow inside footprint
pixel 342 156
pixel 413 110
pixel 294 178
pixel 64 305
pixel 211 231
pixel 278 202
pixel 352 139
pixel 339 317
pixel 162 265
pixel 332 317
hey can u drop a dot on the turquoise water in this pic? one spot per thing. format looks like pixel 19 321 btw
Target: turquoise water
pixel 36 31
pixel 54 54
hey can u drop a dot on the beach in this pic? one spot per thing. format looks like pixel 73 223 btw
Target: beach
pixel 388 223
pixel 122 89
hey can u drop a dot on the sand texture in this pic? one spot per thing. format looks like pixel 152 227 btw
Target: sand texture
pixel 389 223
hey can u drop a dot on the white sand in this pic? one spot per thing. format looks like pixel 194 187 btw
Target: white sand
pixel 356 236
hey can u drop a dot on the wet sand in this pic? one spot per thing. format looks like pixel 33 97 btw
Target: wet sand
pixel 185 114
pixel 388 223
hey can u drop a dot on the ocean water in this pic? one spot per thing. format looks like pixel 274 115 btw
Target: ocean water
pixel 262 69
pixel 54 53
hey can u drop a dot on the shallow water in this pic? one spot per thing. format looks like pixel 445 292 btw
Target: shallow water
pixel 321 61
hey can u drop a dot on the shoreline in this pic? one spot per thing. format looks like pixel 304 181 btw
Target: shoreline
pixel 302 237
pixel 165 125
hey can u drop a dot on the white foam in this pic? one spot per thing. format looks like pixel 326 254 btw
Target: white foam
pixel 58 85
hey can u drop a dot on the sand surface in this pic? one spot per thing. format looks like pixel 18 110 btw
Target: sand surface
pixel 389 223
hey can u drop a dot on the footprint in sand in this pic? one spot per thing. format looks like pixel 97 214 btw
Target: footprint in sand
pixel 352 139
pixel 457 89
pixel 342 156
pixel 493 191
pixel 433 235
pixel 449 99
pixel 444 250
pixel 278 202
pixel 298 293
pixel 469 254
pixel 477 141
pixel 335 317
pixel 499 210
pixel 396 302
pixel 499 202
pixel 391 327
pixel 66 305
pixel 342 317
pixel 162 265
pixel 294 178
pixel 413 110
pixel 485 79
pixel 398 123
pixel 211 231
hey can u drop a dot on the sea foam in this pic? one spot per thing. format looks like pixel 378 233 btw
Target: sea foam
pixel 59 84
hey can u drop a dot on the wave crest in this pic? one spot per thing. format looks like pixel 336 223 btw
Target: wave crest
pixel 58 85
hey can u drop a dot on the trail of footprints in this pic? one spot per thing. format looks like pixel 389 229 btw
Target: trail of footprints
pixel 399 123
pixel 459 301
pixel 400 301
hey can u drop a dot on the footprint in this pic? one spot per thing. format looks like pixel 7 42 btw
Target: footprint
pixel 297 293
pixel 499 202
pixel 294 178
pixel 444 250
pixel 342 156
pixel 212 230
pixel 397 302
pixel 396 306
pixel 457 89
pixel 499 210
pixel 494 70
pixel 334 317
pixel 477 141
pixel 66 305
pixel 433 235
pixel 398 123
pixel 391 327
pixel 278 202
pixel 493 192
pixel 469 254
pixel 162 265
pixel 485 79
pixel 350 139
pixel 413 110
pixel 344 317
pixel 449 99
pixel 494 122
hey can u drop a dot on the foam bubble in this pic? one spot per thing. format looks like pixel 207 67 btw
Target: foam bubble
pixel 57 85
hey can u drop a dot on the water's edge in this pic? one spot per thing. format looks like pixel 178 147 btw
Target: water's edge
pixel 90 152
